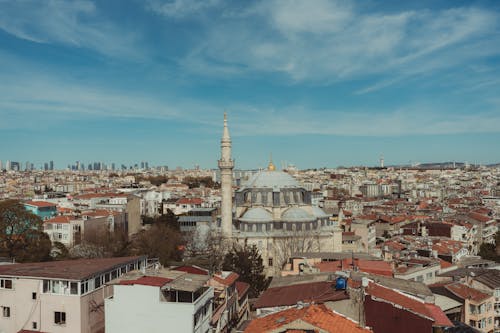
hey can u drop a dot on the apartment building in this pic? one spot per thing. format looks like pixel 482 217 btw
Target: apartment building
pixel 59 296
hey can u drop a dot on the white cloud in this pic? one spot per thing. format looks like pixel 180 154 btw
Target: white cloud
pixel 73 23
pixel 412 120
pixel 327 41
pixel 181 8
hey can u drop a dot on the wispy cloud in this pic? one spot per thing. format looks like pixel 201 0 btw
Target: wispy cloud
pixel 181 8
pixel 330 41
pixel 413 120
pixel 72 23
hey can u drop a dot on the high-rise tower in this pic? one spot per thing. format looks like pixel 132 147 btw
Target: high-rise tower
pixel 226 165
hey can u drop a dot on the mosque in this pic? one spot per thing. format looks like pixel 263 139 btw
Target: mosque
pixel 274 212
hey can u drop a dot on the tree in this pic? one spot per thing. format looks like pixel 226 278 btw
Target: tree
pixel 488 251
pixel 160 241
pixel 292 242
pixel 36 247
pixel 205 249
pixel 247 262
pixel 59 251
pixel 169 219
pixel 19 230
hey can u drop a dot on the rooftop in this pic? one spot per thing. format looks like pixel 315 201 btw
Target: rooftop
pixel 315 316
pixel 465 292
pixel 40 204
pixel 317 292
pixel 78 269
pixel 412 304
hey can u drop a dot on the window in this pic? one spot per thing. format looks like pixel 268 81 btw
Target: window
pixel 6 311
pixel 33 295
pixel 5 284
pixel 59 318
pixel 270 262
pixel 34 325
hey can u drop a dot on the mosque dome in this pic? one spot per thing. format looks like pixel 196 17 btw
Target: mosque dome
pixel 296 214
pixel 257 215
pixel 271 179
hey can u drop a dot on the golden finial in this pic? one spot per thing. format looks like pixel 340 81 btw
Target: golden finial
pixel 271 166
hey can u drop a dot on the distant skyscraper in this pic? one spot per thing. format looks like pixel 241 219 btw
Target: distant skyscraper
pixel 27 168
pixel 46 166
pixel 112 166
pixel 51 165
pixel 15 166
pixel 146 165
pixel 1 165
pixel 7 165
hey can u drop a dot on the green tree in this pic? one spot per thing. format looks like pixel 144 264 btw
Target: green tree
pixel 247 262
pixel 59 251
pixel 20 232
pixel 169 219
pixel 488 251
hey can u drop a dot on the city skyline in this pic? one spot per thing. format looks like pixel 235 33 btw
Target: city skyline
pixel 318 84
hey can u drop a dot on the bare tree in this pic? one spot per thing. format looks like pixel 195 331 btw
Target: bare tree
pixel 207 249
pixel 294 241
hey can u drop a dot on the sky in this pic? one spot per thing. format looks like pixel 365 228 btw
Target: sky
pixel 316 83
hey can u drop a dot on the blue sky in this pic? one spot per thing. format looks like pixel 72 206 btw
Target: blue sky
pixel 317 83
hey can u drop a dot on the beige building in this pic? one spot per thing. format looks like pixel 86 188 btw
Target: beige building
pixel 59 296
pixel 478 306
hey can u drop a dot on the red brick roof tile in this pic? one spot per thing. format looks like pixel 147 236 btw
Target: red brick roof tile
pixel 317 316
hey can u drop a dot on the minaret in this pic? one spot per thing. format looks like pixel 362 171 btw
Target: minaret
pixel 226 165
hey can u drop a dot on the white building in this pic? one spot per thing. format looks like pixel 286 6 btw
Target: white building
pixel 166 301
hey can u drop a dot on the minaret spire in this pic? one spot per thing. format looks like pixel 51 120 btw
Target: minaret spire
pixel 226 165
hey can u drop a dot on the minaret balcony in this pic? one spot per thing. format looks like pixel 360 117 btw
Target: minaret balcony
pixel 226 164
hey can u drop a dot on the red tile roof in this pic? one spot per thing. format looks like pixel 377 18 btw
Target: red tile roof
pixel 466 292
pixel 444 263
pixel 192 270
pixel 40 204
pixel 153 281
pixel 413 305
pixel 58 219
pixel 78 269
pixel 378 267
pixel 479 217
pixel 189 201
pixel 317 292
pixel 242 288
pixel 294 319
pixel 228 280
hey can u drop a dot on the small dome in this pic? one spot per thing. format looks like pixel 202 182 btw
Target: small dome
pixel 295 214
pixel 318 212
pixel 257 215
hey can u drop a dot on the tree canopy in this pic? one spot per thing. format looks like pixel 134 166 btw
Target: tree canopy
pixel 247 262
pixel 21 233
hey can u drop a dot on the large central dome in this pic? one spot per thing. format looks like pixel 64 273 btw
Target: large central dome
pixel 271 179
